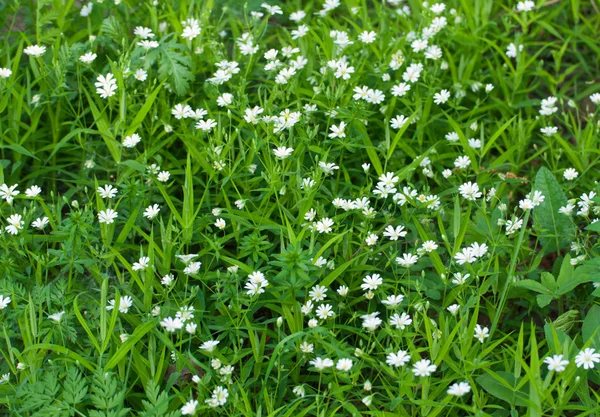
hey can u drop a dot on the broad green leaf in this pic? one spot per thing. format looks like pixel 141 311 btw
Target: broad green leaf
pixel 502 385
pixel 555 230
pixel 591 324
pixel 532 286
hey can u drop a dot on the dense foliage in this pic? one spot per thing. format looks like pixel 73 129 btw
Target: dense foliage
pixel 300 208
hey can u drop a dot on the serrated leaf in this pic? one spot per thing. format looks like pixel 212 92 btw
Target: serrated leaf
pixel 174 67
pixel 543 300
pixel 555 230
pixel 548 281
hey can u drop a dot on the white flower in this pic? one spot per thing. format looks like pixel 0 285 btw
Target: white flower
pixel 400 321
pixel 282 152
pixel 549 130
pixel 429 246
pixel 191 31
pixel 371 239
pixel 171 324
pixel 206 125
pixel 299 390
pixel 181 111
pixel 459 389
pixel 88 57
pixel 398 359
pixel 321 363
pixel 595 98
pixel 146 44
pixel 570 174
pixel 272 9
pixel 220 224
pixel 587 358
pixel 367 37
pixel 470 191
pixel 407 260
pixel 344 365
pixel 337 131
pixel 525 6
pixel 151 211
pixel 107 216
pixel 192 268
pixel 441 97
pixel 371 282
pixel 424 367
pixel 452 137
pixel 306 347
pixel 167 280
pixel 33 191
pixel 15 223
pixel 513 225
pixel 324 225
pixel 394 233
pixel 343 290
pixel 5 72
pixel 511 50
pixel 371 321
pixel 143 263
pixel 556 363
pixel 40 223
pixel 163 176
pixel 210 345
pixel 9 193
pixel 398 121
pixel 460 278
pixel 453 309
pixel 131 140
pixel 140 75
pixel 392 300
pixel 324 311
pixel 106 86
pixel 189 408
pixel 482 333
pixel 225 99
pixel 4 302
pixel 125 303
pixel 318 293
pixel 35 50
pixel 143 32
pixel 108 191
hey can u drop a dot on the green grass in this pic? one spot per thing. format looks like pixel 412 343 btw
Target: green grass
pixel 88 305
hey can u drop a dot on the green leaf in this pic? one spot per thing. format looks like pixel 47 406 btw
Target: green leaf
pixel 566 272
pixel 591 324
pixel 555 230
pixel 138 333
pixel 135 165
pixel 548 281
pixel 175 66
pixel 543 300
pixel 360 129
pixel 139 117
pixel 20 149
pixel 502 385
pixel 532 286
pixel 74 357
pixel 104 128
